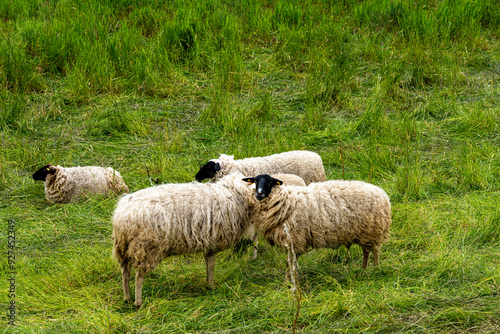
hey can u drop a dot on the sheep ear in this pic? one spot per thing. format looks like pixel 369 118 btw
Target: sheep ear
pixel 278 182
pixel 217 167
pixel 249 179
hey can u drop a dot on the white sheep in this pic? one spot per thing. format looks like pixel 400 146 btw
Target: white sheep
pixel 63 185
pixel 322 215
pixel 172 219
pixel 308 165
pixel 251 233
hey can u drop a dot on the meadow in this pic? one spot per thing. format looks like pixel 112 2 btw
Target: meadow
pixel 401 94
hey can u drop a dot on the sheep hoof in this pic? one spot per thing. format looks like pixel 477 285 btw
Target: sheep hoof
pixel 127 300
pixel 137 305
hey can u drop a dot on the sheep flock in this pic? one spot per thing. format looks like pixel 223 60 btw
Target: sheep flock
pixel 283 198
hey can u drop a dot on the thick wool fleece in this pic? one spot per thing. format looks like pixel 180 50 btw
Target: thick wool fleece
pixel 307 165
pixel 172 219
pixel 326 215
pixel 70 184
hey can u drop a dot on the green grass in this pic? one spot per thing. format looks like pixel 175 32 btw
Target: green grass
pixel 402 94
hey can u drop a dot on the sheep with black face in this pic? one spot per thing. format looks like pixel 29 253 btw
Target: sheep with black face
pixel 308 165
pixel 322 215
pixel 63 185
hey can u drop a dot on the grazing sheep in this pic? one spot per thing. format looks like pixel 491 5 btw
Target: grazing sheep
pixel 172 219
pixel 322 215
pixel 307 165
pixel 250 233
pixel 63 185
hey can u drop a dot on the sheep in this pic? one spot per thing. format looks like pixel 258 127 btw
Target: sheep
pixel 173 219
pixel 322 215
pixel 251 233
pixel 63 185
pixel 307 165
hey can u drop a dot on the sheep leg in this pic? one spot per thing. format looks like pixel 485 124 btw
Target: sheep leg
pixel 126 285
pixel 139 279
pixel 209 263
pixel 255 248
pixel 366 253
pixel 375 253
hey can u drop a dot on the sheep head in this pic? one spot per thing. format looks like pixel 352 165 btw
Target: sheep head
pixel 41 174
pixel 208 171
pixel 264 183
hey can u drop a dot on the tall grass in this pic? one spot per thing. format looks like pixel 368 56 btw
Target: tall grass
pixel 402 94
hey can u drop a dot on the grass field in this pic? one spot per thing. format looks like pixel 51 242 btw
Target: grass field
pixel 402 94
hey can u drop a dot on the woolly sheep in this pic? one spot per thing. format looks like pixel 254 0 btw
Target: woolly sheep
pixel 251 233
pixel 63 185
pixel 172 219
pixel 322 215
pixel 307 165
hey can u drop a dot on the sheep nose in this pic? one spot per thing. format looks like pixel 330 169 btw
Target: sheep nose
pixel 260 194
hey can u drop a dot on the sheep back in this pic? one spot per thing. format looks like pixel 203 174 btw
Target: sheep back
pixel 290 179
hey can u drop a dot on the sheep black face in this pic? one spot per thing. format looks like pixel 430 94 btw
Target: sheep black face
pixel 264 183
pixel 207 171
pixel 41 174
